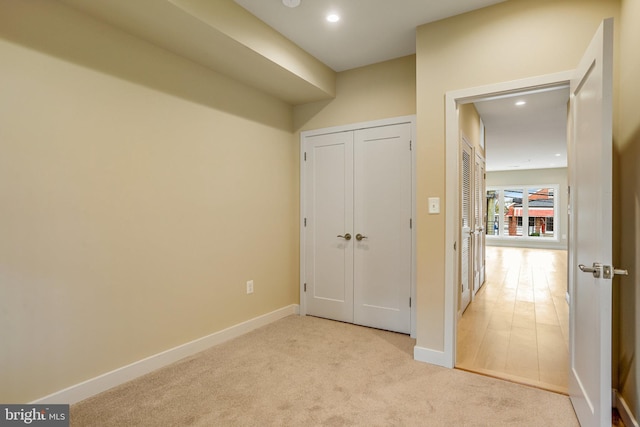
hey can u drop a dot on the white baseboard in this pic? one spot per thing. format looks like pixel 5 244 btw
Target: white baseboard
pixel 422 354
pixel 126 373
pixel 623 409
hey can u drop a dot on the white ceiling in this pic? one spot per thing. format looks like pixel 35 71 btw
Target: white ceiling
pixel 532 136
pixel 368 32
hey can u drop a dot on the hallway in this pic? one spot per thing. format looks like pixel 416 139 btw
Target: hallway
pixel 517 327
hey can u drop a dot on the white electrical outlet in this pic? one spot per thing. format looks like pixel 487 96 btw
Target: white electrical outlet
pixel 250 287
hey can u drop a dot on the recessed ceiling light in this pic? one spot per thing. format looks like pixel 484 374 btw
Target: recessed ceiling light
pixel 332 17
pixel 558 154
pixel 520 103
pixel 291 3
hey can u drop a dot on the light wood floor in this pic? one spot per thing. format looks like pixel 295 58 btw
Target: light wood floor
pixel 517 328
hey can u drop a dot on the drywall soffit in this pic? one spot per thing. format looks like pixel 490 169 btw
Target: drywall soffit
pixel 176 26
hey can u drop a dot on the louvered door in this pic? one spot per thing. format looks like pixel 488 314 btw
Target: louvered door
pixel 466 258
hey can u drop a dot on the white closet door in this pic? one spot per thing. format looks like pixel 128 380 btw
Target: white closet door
pixel 329 214
pixel 382 228
pixel 479 207
pixel 466 250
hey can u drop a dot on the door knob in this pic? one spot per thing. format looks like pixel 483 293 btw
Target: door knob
pixel 595 270
pixel 360 237
pixel 345 237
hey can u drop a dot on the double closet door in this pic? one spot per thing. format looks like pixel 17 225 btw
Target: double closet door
pixel 357 209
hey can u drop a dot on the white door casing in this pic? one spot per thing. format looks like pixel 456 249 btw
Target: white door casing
pixel 445 356
pixel 379 268
pixel 590 209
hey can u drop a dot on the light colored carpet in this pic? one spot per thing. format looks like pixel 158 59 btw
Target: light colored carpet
pixel 306 371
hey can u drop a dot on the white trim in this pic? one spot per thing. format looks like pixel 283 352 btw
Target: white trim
pixel 414 228
pixel 134 370
pixel 358 126
pixel 623 409
pixel 347 128
pixel 452 99
pixel 434 357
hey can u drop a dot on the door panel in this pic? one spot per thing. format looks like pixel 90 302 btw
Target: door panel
pixel 590 314
pixel 382 210
pixel 329 213
pixel 466 250
pixel 479 205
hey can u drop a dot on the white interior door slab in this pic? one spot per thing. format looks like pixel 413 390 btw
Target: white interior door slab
pixel 479 206
pixel 329 215
pixel 466 231
pixel 382 212
pixel 591 147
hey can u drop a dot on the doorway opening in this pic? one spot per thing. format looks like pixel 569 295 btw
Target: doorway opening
pixel 516 325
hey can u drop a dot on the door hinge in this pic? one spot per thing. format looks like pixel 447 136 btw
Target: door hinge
pixel 305 222
pixel 305 156
pixel 305 287
pixel 462 287
pixel 455 244
pixel 409 302
pixel 410 145
pixel 411 223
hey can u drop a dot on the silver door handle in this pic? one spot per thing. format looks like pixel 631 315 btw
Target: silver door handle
pixel 595 270
pixel 359 237
pixel 345 237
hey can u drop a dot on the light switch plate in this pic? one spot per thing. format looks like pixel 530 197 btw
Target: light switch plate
pixel 434 205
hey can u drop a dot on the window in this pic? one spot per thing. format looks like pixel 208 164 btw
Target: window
pixel 527 212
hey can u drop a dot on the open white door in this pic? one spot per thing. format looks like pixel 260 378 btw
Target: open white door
pixel 590 249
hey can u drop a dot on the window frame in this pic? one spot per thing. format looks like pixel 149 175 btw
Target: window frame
pixel 500 191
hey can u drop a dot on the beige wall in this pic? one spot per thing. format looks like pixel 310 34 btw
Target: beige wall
pixel 379 91
pixel 628 196
pixel 469 122
pixel 139 193
pixel 142 191
pixel 508 41
pixel 557 176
